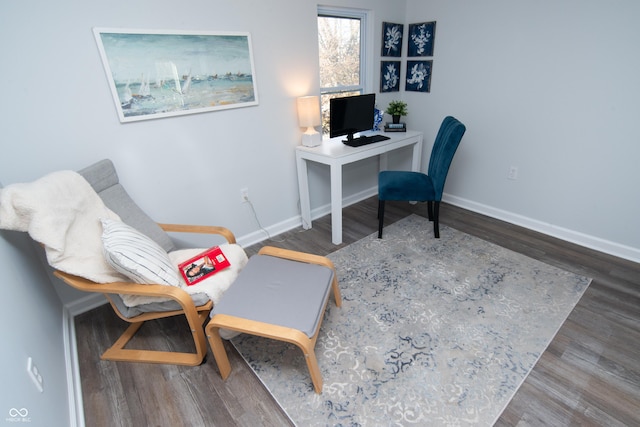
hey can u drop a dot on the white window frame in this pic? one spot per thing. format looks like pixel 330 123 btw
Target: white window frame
pixel 366 48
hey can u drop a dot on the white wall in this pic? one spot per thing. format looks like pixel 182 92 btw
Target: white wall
pixel 31 319
pixel 61 113
pixel 552 88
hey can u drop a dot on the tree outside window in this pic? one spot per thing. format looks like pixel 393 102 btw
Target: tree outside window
pixel 340 43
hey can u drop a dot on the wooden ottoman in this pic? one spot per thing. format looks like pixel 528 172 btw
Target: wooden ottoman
pixel 280 294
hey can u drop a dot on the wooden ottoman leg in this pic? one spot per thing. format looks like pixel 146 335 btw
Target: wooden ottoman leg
pixel 314 369
pixel 219 353
pixel 336 292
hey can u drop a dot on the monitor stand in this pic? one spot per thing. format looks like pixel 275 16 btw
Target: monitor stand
pixel 349 139
pixel 363 140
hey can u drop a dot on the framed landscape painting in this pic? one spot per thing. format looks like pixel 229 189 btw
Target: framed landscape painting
pixel 155 74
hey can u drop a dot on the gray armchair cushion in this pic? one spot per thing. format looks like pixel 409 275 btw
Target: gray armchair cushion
pixel 103 178
pixel 129 312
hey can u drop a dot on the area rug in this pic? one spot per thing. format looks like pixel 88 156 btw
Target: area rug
pixel 432 332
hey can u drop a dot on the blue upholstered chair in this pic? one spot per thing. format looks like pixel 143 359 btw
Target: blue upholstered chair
pixel 420 187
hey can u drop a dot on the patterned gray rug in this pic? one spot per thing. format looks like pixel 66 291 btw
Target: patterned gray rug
pixel 432 332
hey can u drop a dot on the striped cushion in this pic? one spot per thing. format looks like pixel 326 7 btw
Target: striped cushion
pixel 136 255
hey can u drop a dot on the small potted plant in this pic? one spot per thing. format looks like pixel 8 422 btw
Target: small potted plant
pixel 396 109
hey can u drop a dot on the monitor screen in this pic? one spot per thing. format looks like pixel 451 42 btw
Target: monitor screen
pixel 351 114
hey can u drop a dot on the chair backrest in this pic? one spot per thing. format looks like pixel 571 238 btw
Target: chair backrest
pixel 444 147
pixel 103 178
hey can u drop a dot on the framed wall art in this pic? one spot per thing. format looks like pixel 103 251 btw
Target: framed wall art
pixel 155 74
pixel 419 76
pixel 421 39
pixel 392 39
pixel 390 76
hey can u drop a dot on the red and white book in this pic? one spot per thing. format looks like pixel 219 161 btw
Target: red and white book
pixel 203 265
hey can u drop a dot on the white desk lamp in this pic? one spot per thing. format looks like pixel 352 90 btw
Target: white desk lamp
pixel 309 117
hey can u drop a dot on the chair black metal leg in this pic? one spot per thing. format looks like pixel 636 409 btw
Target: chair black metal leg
pixel 380 217
pixel 430 210
pixel 436 216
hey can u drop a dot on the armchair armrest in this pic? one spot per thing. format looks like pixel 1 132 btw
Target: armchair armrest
pixel 202 229
pixel 130 288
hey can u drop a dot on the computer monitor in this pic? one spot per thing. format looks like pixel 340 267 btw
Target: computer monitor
pixel 351 114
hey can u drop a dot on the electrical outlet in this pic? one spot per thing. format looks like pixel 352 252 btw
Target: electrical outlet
pixel 513 173
pixel 244 194
pixel 35 375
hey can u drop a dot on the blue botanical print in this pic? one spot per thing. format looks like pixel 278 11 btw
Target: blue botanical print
pixel 392 39
pixel 421 38
pixel 390 76
pixel 419 76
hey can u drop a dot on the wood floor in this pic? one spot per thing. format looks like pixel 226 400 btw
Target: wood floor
pixel 589 375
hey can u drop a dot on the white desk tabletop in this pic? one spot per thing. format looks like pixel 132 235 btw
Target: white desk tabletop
pixel 335 148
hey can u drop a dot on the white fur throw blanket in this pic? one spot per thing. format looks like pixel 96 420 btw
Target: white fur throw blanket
pixel 62 212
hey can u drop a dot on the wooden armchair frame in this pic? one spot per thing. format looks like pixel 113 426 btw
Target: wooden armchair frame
pixel 196 315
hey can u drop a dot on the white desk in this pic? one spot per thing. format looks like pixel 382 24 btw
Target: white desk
pixel 336 154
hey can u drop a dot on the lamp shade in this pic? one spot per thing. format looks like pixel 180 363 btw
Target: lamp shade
pixel 309 111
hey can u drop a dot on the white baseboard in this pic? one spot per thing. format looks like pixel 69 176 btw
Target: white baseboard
pixel 86 303
pixel 74 385
pixel 271 231
pixel 591 242
pixel 581 239
pixel 323 210
pixel 291 223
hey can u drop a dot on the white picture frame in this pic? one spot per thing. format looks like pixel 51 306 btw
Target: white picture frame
pixel 156 74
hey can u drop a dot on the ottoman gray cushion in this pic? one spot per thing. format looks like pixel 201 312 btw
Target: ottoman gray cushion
pixel 279 292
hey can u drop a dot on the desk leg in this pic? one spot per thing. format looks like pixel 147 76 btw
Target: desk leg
pixel 336 204
pixel 383 162
pixel 416 160
pixel 303 190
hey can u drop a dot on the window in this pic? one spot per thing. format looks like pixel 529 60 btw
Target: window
pixel 341 44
